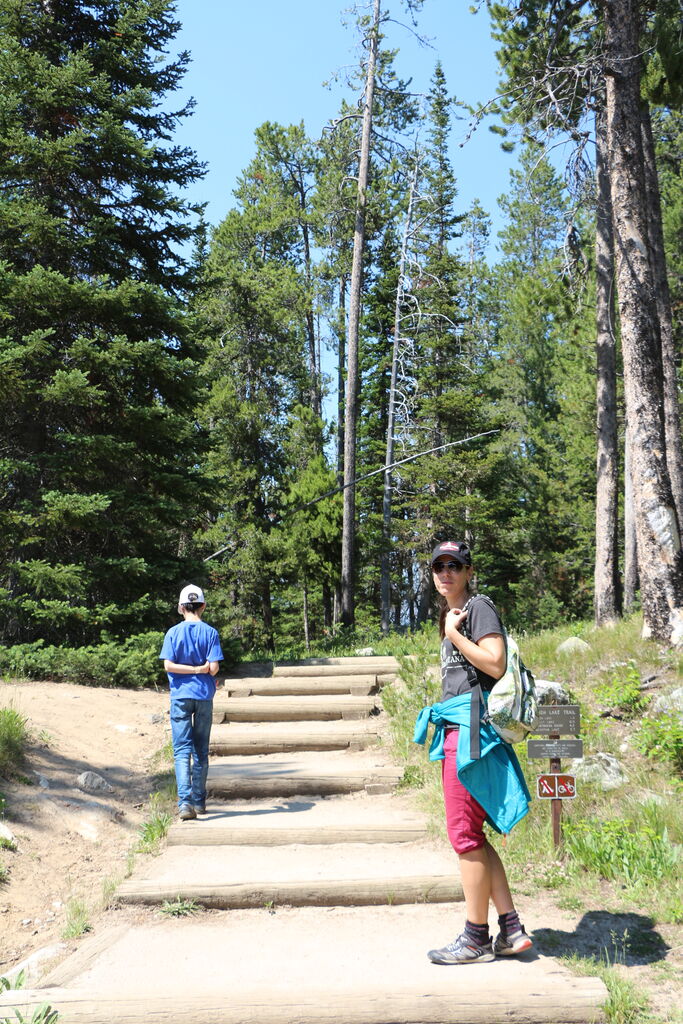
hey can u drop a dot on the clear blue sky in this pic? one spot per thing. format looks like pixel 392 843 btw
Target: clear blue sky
pixel 267 60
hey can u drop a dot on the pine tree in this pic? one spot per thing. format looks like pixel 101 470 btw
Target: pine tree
pixel 544 376
pixel 99 439
pixel 253 320
pixel 574 56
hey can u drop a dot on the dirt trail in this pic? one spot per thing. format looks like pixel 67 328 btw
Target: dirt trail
pixel 70 843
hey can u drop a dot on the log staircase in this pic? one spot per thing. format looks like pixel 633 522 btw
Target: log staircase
pixel 321 887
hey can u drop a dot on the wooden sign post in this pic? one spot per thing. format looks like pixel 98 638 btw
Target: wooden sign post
pixel 553 721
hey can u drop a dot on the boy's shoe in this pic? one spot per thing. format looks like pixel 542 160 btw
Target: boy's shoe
pixel 462 951
pixel 510 945
pixel 186 812
pixel 200 809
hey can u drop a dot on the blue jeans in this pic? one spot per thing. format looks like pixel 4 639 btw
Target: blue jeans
pixel 190 730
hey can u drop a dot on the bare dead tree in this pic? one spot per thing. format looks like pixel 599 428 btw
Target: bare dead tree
pixel 385 565
pixel 354 313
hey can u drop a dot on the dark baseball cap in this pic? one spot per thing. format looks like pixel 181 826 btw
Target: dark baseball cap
pixel 455 549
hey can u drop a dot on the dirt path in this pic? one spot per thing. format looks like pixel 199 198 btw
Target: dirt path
pixel 71 843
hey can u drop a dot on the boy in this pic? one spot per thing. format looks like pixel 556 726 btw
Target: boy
pixel 191 651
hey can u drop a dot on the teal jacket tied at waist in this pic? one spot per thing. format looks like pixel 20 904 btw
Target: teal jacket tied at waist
pixel 495 778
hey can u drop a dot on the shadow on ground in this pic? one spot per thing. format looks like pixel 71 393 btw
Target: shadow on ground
pixel 628 939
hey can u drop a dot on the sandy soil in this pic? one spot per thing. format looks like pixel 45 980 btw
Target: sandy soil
pixel 70 843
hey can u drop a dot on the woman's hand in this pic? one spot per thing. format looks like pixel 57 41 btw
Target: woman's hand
pixel 454 619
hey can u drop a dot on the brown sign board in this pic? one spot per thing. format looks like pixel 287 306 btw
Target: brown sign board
pixel 554 748
pixel 564 719
pixel 556 787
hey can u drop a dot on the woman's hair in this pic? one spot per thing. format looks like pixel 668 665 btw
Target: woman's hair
pixel 443 608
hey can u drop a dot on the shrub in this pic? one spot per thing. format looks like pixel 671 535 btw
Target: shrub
pixel 12 739
pixel 618 849
pixel 133 662
pixel 662 738
pixel 623 692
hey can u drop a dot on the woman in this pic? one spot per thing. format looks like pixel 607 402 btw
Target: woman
pixel 473 657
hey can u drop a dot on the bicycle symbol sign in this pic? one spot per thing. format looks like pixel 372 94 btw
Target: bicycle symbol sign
pixel 556 787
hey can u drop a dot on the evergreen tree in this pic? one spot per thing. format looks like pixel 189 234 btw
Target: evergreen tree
pixel 99 456
pixel 253 319
pixel 545 377
pixel 567 56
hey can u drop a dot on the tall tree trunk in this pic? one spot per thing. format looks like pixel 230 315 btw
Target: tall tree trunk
pixel 341 377
pixel 672 415
pixel 607 591
pixel 307 632
pixel 410 577
pixel 660 558
pixel 385 561
pixel 630 543
pixel 425 601
pixel 327 605
pixel 351 407
pixel 267 612
pixel 313 369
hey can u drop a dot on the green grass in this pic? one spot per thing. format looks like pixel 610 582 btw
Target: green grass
pixel 179 907
pixel 155 829
pixel 163 758
pixel 626 1004
pixel 41 1015
pixel 13 738
pixel 77 919
pixel 622 846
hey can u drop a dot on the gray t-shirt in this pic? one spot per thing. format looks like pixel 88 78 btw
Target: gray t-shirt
pixel 482 620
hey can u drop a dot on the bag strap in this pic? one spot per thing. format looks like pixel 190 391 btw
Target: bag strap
pixel 474 681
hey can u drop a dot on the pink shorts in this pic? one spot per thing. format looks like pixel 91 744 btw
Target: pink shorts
pixel 464 816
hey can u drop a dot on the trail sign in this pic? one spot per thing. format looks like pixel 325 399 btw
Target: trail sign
pixel 558 720
pixel 554 787
pixel 552 721
pixel 554 748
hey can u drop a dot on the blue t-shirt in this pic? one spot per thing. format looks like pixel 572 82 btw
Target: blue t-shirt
pixel 191 643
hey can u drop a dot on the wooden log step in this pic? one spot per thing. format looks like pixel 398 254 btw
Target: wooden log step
pixel 280 686
pixel 76 1006
pixel 300 775
pixel 293 709
pixel 306 822
pixel 289 737
pixel 384 667
pixel 301 876
pixel 345 892
pixel 362 965
pixel 345 662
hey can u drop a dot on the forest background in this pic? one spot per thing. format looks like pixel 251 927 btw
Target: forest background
pixel 177 395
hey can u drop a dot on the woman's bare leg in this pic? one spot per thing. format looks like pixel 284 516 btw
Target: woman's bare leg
pixel 484 879
pixel 500 890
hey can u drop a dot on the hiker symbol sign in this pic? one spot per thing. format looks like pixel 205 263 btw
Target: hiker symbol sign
pixel 554 787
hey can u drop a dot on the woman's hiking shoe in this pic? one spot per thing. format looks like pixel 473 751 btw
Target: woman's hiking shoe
pixel 462 951
pixel 186 812
pixel 511 945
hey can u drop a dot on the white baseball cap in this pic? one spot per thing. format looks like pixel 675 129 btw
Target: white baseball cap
pixel 191 595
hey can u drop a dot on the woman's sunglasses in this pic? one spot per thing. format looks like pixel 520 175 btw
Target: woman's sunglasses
pixel 451 566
